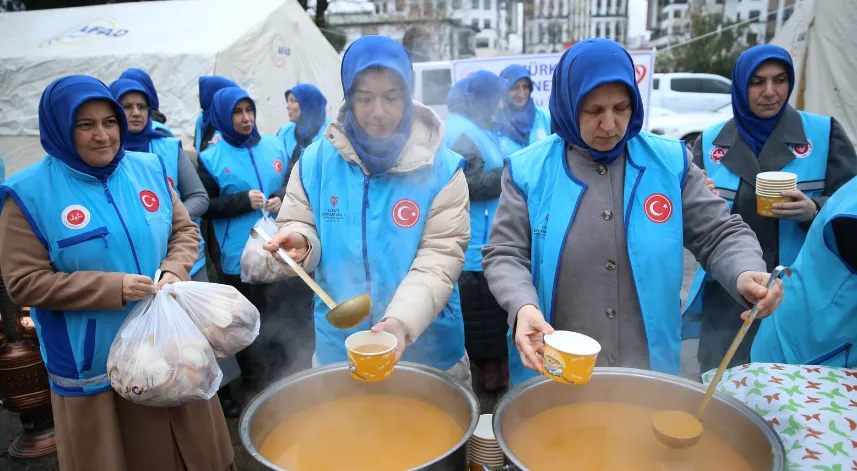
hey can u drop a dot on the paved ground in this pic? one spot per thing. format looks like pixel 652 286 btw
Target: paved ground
pixel 10 426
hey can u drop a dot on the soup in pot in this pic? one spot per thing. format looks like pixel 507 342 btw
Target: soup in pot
pixel 608 436
pixel 362 433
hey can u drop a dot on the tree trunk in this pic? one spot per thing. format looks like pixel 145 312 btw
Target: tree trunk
pixel 320 9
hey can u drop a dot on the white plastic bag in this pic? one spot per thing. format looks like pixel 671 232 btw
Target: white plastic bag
pixel 160 358
pixel 228 320
pixel 258 266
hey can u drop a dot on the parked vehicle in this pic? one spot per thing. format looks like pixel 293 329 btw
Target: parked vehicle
pixel 432 81
pixel 688 92
pixel 688 126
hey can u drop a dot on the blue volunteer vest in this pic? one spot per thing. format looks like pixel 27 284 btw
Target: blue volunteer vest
pixel 810 168
pixel 287 136
pixel 371 229
pixel 121 224
pixel 198 141
pixel 158 126
pixel 655 170
pixel 239 170
pixel 541 129
pixel 169 149
pixel 481 212
pixel 817 323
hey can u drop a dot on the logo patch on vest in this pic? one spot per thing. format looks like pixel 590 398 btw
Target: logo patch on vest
pixel 540 232
pixel 658 208
pixel 802 151
pixel 227 171
pixel 150 201
pixel 717 154
pixel 171 182
pixel 333 214
pixel 278 166
pixel 406 213
pixel 75 217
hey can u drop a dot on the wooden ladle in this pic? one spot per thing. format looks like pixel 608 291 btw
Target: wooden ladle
pixel 678 429
pixel 347 315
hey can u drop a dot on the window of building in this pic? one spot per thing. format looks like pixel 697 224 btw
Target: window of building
pixel 608 31
pixel 474 4
pixel 474 23
pixel 487 4
pixel 677 14
pixel 482 43
pixel 441 5
pixel 456 4
pixel 656 83
pixel 400 5
pixel 609 5
pixel 487 24
pixel 755 14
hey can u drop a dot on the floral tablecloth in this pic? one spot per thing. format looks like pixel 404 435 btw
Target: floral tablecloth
pixel 812 408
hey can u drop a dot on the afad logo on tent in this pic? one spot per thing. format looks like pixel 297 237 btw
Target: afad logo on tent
pixel 95 30
pixel 279 51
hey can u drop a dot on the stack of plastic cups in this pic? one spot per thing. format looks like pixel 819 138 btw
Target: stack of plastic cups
pixel 483 448
pixel 769 186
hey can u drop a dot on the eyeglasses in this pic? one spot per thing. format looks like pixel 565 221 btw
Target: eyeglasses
pixel 130 107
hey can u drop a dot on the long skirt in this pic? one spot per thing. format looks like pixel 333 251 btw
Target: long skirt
pixel 106 432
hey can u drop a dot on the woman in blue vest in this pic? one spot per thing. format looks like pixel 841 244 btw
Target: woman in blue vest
pixel 765 134
pixel 818 324
pixel 244 174
pixel 520 122
pixel 380 206
pixel 474 103
pixel 136 100
pixel 204 133
pixel 593 221
pixel 81 255
pixel 307 109
pixel 158 119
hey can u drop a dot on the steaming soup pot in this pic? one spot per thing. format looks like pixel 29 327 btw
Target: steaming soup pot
pixel 730 420
pixel 298 392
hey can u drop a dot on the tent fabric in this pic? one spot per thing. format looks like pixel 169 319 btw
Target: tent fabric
pixel 266 46
pixel 819 37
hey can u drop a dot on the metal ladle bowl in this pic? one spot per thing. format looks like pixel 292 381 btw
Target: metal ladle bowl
pixel 346 315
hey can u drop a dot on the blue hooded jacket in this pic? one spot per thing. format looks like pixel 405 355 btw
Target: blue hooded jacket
pixel 313 109
pixel 513 122
pixel 377 52
pixel 138 142
pixel 752 129
pixel 225 101
pixel 593 68
pixel 477 96
pixel 208 86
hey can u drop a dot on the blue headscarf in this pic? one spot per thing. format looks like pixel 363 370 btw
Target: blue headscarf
pixel 137 142
pixel 377 52
pixel 57 113
pixel 141 77
pixel 224 102
pixel 583 68
pixel 476 97
pixel 751 128
pixel 208 86
pixel 513 122
pixel 313 109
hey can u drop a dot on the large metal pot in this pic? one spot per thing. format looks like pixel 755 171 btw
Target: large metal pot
pixel 732 421
pixel 291 395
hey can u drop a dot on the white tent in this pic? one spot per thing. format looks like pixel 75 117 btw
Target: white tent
pixel 266 46
pixel 820 38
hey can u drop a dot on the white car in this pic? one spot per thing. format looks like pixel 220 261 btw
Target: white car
pixel 688 126
pixel 689 92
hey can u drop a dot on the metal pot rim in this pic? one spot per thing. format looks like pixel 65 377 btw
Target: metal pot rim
pixel 267 393
pixel 777 450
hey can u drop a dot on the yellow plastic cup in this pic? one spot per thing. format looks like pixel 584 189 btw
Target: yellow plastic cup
pixel 371 356
pixel 570 357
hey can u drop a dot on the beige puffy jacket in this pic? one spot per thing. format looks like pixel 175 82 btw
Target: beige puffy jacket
pixel 426 288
